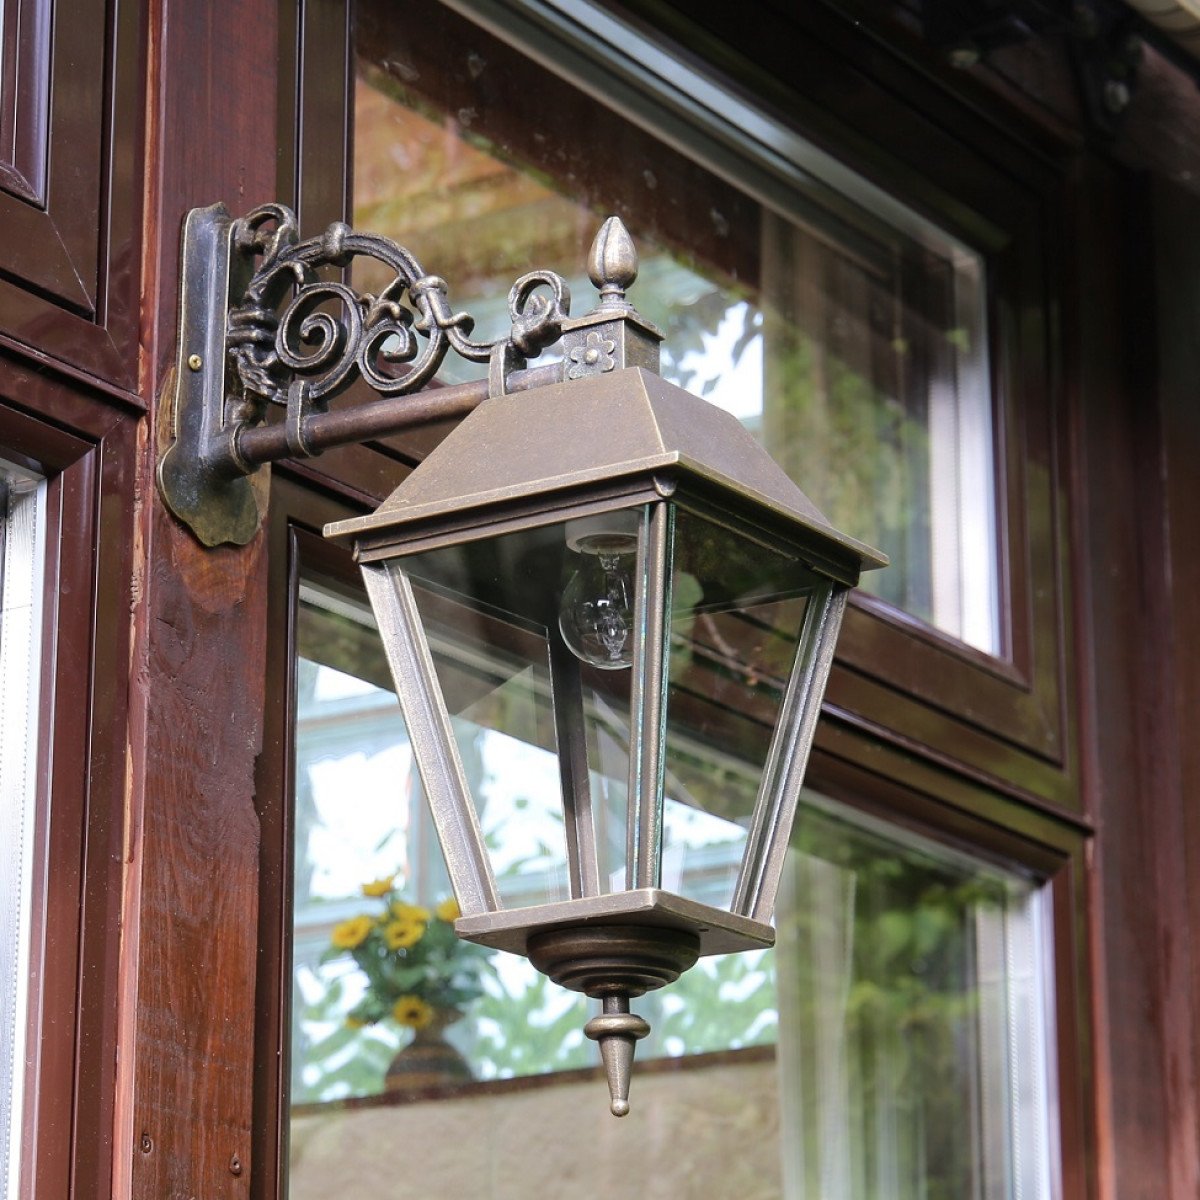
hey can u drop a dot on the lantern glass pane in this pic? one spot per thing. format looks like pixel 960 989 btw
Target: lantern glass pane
pixel 738 607
pixel 494 611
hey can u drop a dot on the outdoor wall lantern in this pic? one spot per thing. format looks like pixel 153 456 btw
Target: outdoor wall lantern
pixel 595 564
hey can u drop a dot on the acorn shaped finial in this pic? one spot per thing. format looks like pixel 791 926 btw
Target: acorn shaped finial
pixel 613 262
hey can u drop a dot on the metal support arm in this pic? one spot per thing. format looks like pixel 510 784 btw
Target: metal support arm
pixel 271 325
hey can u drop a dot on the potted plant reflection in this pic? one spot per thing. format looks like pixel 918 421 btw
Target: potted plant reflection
pixel 419 976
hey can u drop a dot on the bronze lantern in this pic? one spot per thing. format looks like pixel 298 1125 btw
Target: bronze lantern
pixel 613 573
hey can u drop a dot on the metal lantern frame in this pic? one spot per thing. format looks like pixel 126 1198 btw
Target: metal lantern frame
pixel 428 511
pixel 603 434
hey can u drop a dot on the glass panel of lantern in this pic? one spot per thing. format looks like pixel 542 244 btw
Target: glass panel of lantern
pixel 738 609
pixel 627 670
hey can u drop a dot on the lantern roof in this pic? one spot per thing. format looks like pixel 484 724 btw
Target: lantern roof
pixel 561 438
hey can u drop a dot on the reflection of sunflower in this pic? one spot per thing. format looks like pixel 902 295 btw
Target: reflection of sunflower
pixel 413 1012
pixel 410 912
pixel 404 948
pixel 401 934
pixel 348 934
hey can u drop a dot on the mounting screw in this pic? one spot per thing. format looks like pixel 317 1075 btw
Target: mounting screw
pixel 195 362
pixel 145 1145
pixel 1116 96
pixel 235 1165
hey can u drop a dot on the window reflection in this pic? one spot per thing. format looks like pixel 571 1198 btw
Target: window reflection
pixel 852 345
pixel 899 1032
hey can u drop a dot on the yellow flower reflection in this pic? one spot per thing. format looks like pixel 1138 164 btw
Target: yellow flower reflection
pixel 400 935
pixel 348 934
pixel 413 1012
pixel 379 887
pixel 410 912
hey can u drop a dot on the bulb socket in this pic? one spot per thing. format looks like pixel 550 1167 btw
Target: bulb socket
pixel 605 533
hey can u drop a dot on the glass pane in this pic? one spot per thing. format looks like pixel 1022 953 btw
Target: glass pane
pixel 496 631
pixel 914 1021
pixel 899 1033
pixel 847 332
pixel 737 610
pixel 22 555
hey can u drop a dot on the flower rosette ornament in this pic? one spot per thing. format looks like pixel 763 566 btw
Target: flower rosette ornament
pixel 414 964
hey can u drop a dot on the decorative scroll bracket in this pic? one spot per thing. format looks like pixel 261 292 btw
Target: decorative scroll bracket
pixel 266 323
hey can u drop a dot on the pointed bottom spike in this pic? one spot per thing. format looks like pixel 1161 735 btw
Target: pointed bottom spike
pixel 617 1031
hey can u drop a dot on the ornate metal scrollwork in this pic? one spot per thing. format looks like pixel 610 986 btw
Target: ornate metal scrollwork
pixel 298 339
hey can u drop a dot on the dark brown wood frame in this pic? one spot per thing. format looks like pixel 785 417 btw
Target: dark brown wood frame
pixel 70 197
pixel 24 99
pixel 297 516
pixel 182 1122
pixel 164 654
pixel 1003 195
pixel 86 452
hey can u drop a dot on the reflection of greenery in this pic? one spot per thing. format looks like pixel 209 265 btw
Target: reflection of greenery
pixel 690 309
pixel 856 323
pixel 886 1004
pixel 726 1002
pixel 885 1023
pixel 331 1059
pixel 862 455
pixel 528 1027
pixel 887 1015
pixel 522 1023
pixel 531 1025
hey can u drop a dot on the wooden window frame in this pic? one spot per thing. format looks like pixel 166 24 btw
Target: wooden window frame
pixel 85 452
pixel 849 764
pixel 71 120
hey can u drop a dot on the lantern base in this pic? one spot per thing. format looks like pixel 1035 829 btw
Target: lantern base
pixel 607 960
pixel 719 931
pixel 612 963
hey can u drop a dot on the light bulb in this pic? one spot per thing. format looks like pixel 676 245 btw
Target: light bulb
pixel 595 616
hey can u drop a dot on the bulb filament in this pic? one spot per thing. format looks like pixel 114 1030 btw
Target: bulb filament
pixel 611 627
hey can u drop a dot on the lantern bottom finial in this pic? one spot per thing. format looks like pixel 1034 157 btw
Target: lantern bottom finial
pixel 612 963
pixel 617 1031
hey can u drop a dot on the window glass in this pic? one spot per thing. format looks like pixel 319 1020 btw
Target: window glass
pixel 895 1043
pixel 846 331
pixel 22 534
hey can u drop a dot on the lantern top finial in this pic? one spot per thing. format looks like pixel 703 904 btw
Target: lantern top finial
pixel 612 263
